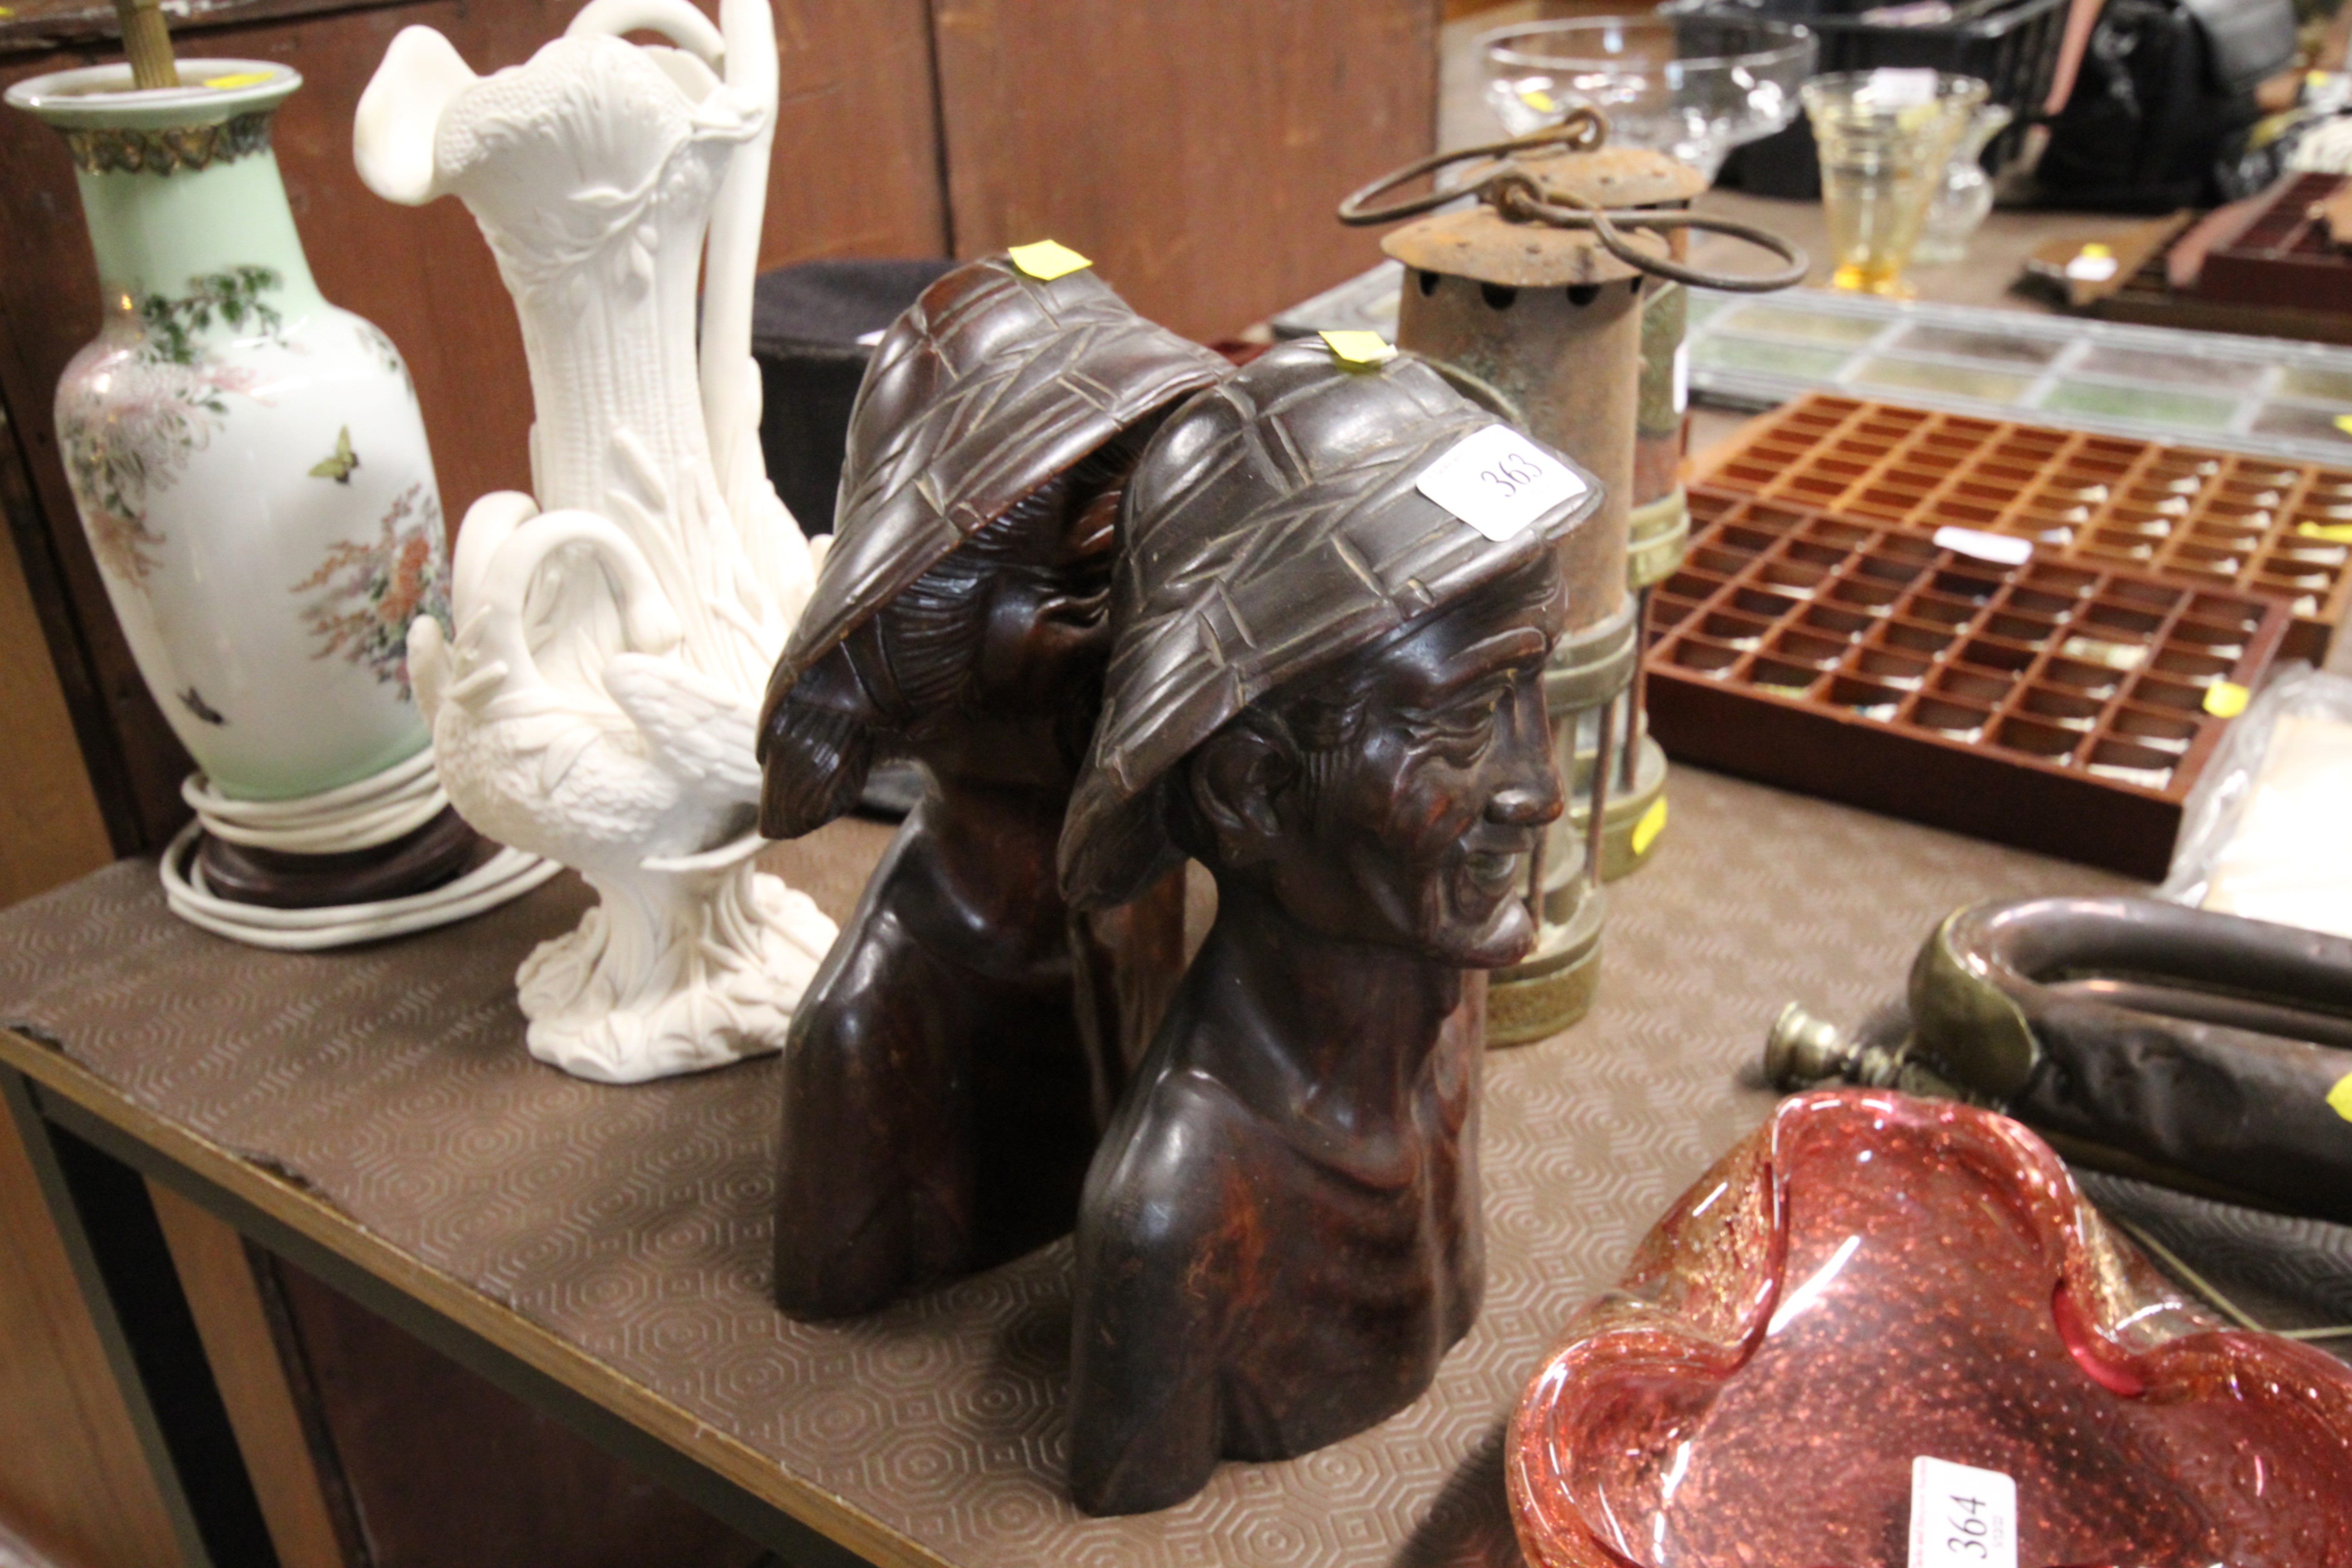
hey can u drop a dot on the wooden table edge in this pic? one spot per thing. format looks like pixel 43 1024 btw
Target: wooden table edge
pixel 207 1174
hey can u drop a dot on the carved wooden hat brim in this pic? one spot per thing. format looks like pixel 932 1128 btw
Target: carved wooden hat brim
pixel 1271 528
pixel 987 387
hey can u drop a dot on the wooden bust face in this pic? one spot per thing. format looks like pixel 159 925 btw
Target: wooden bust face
pixel 1280 1237
pixel 952 1064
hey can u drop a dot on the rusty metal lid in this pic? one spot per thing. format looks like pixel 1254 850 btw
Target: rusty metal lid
pixel 1612 177
pixel 1480 243
pixel 989 385
pixel 1273 527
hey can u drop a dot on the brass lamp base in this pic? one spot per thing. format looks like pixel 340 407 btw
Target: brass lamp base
pixel 1555 986
pixel 1634 819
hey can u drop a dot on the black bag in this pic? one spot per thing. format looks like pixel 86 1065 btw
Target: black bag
pixel 2161 106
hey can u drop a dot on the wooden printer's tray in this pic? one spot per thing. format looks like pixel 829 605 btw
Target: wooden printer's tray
pixel 2058 706
pixel 2219 521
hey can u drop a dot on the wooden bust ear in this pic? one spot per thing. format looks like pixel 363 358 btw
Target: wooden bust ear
pixel 1233 780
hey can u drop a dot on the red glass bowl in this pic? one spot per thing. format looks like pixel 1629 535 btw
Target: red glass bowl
pixel 1872 1278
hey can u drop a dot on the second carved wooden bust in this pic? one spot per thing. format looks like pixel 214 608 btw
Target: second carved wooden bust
pixel 951 1066
pixel 1327 689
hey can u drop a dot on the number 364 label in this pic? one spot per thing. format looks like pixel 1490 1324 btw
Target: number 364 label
pixel 1498 481
pixel 1961 1516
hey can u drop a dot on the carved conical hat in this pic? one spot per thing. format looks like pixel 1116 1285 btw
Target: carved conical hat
pixel 1272 528
pixel 988 386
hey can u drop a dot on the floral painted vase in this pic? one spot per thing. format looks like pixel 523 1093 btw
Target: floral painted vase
pixel 248 460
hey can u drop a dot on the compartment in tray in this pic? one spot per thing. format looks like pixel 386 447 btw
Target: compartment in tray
pixel 1811 487
pixel 1781 678
pixel 2221 642
pixel 1993 653
pixel 1866 697
pixel 2243 614
pixel 1843 537
pixel 2130 623
pixel 1689 584
pixel 1926 607
pixel 2090 678
pixel 1988 687
pixel 1733 629
pixel 1967 514
pixel 1887 667
pixel 1958 583
pixel 1753 540
pixel 2121 762
pixel 2167 732
pixel 2162 692
pixel 2051 742
pixel 1756 601
pixel 1701 657
pixel 1954 721
pixel 1796 579
pixel 2196 669
pixel 2206 560
pixel 1913 636
pixel 1808 647
pixel 1873 597
pixel 2035 602
pixel 2031 631
pixel 1811 554
pixel 2055 705
pixel 2052 578
pixel 1831 620
pixel 2153 596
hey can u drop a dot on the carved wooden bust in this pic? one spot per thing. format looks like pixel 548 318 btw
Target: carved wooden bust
pixel 951 1068
pixel 1328 690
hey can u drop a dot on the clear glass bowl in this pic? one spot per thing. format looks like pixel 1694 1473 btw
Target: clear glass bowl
pixel 1695 87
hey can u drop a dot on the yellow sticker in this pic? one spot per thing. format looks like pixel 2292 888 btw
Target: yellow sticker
pixel 2339 1099
pixel 1647 831
pixel 1047 260
pixel 1539 100
pixel 242 79
pixel 2343 423
pixel 1358 351
pixel 2225 700
pixel 2097 251
pixel 2334 532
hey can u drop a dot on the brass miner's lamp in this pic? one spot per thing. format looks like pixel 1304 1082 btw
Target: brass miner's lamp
pixel 1538 289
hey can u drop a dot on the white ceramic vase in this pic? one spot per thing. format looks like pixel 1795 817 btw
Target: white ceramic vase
pixel 615 632
pixel 248 460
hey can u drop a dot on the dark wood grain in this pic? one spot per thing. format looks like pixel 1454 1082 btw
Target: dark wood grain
pixel 1194 152
pixel 73 1481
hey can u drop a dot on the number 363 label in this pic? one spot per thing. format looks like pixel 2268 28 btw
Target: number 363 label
pixel 1961 1516
pixel 1498 481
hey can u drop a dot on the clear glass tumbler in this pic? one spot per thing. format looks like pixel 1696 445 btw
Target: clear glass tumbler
pixel 1964 198
pixel 1885 139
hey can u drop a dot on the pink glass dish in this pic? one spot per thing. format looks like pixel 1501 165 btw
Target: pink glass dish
pixel 1870 1278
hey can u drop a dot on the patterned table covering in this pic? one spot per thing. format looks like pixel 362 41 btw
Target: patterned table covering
pixel 633 1223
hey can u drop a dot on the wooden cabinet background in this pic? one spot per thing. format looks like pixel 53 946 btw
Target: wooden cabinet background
pixel 1194 149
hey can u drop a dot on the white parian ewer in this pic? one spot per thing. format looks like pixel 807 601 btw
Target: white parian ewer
pixel 597 702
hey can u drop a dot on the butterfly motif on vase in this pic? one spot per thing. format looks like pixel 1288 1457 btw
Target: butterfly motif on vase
pixel 338 466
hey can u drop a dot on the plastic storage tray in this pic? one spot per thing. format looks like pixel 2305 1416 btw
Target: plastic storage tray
pixel 2251 395
pixel 2053 706
pixel 2201 519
